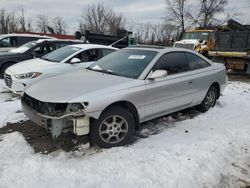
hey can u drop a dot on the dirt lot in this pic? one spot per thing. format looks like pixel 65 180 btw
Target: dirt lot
pixel 41 140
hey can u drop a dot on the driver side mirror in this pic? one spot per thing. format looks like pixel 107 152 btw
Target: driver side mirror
pixel 75 60
pixel 158 74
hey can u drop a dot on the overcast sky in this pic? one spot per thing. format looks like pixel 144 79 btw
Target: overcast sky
pixel 134 10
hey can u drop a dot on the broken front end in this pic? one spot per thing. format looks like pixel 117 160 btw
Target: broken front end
pixel 57 117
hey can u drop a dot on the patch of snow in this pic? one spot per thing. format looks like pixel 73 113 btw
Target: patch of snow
pixel 209 150
pixel 10 107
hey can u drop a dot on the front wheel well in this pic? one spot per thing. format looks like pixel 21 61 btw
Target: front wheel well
pixel 7 62
pixel 130 107
pixel 4 66
pixel 217 86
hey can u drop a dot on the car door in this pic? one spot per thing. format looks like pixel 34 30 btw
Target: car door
pixel 173 92
pixel 200 75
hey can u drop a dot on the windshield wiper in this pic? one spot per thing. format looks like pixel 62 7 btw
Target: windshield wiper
pixel 103 71
pixel 48 59
pixel 44 58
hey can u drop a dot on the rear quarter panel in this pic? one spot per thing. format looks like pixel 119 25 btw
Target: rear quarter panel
pixel 204 78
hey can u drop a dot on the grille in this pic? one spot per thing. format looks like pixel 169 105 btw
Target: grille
pixel 187 46
pixel 7 80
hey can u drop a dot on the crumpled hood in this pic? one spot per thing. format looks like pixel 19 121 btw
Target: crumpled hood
pixel 32 65
pixel 63 88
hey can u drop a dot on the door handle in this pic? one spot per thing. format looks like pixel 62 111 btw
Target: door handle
pixel 190 82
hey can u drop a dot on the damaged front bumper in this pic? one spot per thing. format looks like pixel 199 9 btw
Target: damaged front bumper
pixel 75 122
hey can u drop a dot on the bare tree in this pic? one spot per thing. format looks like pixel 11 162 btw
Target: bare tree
pixel 142 32
pixel 59 25
pixel 154 34
pixel 12 23
pixel 209 9
pixel 101 19
pixel 29 25
pixel 42 23
pixel 8 22
pixel 3 21
pixel 178 12
pixel 22 19
pixel 115 22
pixel 165 33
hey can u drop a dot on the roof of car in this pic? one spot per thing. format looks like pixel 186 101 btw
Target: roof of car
pixel 25 35
pixel 147 46
pixel 58 40
pixel 161 49
pixel 86 46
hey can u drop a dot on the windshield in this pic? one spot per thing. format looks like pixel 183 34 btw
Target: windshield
pixel 24 47
pixel 60 54
pixel 127 63
pixel 195 35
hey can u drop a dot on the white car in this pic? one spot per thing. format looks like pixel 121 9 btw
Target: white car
pixel 14 40
pixel 66 59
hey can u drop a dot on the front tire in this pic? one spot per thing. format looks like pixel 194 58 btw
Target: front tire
pixel 209 100
pixel 115 127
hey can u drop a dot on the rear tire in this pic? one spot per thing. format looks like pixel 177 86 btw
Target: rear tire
pixel 3 68
pixel 115 127
pixel 209 100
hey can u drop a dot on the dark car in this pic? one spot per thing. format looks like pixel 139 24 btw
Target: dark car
pixel 31 50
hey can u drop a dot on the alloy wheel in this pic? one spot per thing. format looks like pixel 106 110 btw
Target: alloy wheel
pixel 210 99
pixel 113 129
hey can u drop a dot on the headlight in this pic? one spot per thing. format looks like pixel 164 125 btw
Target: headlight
pixel 77 107
pixel 74 107
pixel 28 75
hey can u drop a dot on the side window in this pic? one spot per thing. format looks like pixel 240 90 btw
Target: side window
pixel 23 40
pixel 106 52
pixel 89 55
pixel 39 50
pixel 196 62
pixel 13 41
pixel 173 62
pixel 5 42
pixel 8 42
pixel 44 49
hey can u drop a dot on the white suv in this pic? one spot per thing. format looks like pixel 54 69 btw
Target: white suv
pixel 10 41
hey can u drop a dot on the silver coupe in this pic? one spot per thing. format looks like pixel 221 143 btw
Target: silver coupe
pixel 110 99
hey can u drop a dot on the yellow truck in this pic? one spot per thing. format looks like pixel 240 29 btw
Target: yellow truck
pixel 232 49
pixel 229 44
pixel 197 39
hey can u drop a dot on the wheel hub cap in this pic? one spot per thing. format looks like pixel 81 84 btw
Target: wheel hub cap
pixel 210 99
pixel 113 129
